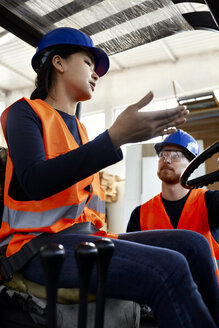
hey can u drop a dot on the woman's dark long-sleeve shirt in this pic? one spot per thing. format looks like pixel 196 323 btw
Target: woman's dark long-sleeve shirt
pixel 36 178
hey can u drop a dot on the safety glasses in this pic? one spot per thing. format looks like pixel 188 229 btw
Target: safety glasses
pixel 171 154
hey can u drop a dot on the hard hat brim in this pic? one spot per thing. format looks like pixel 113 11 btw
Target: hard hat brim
pixel 181 139
pixel 100 57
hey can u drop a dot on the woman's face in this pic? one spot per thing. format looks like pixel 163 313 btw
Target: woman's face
pixel 78 76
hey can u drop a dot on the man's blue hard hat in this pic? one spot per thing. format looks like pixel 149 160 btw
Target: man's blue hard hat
pixel 64 36
pixel 180 138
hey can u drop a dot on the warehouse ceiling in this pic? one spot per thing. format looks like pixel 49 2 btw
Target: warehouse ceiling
pixel 134 32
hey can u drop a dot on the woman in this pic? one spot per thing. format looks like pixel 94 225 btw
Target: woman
pixel 52 184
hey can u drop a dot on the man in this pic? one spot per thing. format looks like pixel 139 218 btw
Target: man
pixel 176 207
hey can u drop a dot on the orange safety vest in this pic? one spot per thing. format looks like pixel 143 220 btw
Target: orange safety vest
pixel 194 217
pixel 24 220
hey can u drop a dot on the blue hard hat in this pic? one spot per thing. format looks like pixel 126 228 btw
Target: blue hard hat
pixel 69 36
pixel 180 138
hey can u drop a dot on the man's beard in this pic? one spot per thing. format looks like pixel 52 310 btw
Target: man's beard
pixel 172 178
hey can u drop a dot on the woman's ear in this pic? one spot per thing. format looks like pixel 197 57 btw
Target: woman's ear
pixel 57 63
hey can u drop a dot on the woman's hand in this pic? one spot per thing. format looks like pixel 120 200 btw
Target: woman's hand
pixel 133 126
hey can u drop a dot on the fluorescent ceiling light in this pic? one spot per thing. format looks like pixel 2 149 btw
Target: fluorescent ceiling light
pixel 43 8
pixel 147 20
pixel 6 38
pixel 185 8
pixel 98 12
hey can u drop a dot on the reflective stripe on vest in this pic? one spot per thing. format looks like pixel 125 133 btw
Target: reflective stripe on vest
pixel 59 211
pixel 96 204
pixel 194 217
pixel 21 219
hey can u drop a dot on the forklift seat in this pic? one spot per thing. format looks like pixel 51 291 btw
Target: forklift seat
pixel 21 307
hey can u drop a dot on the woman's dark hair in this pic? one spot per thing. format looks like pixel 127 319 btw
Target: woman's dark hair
pixel 43 79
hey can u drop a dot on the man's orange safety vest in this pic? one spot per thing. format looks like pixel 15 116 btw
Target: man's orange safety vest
pixel 193 217
pixel 24 220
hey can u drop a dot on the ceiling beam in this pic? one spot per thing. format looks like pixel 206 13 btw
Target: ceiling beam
pixel 201 20
pixel 213 5
pixel 168 51
pixel 14 24
pixel 19 73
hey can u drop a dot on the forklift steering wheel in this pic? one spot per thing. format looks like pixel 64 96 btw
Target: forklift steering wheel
pixel 203 180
